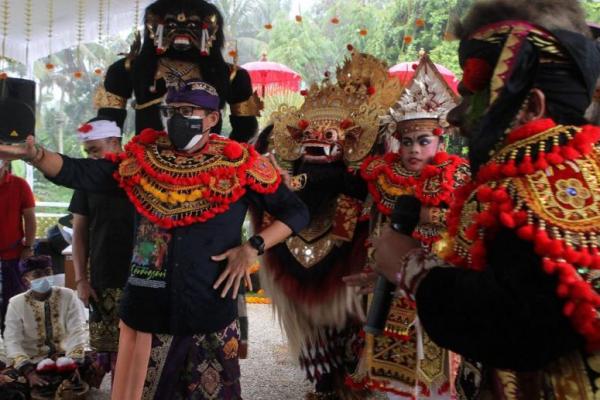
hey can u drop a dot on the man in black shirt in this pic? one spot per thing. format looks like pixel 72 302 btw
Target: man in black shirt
pixel 102 239
pixel 191 190
pixel 521 304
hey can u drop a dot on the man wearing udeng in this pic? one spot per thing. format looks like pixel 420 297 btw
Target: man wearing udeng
pixel 191 190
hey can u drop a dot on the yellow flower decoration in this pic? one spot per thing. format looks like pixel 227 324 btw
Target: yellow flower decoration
pixel 571 192
pixel 170 197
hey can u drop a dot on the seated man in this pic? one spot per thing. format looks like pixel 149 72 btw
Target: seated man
pixel 45 335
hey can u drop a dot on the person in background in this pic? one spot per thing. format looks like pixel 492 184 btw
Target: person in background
pixel 191 190
pixel 45 333
pixel 17 232
pixel 518 297
pixel 12 386
pixel 103 240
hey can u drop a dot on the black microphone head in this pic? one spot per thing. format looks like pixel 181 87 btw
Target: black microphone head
pixel 406 213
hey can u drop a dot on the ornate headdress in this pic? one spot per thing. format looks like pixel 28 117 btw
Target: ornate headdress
pixel 424 103
pixel 339 118
pixel 504 60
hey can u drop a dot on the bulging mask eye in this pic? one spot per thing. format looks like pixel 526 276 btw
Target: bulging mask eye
pixel 330 134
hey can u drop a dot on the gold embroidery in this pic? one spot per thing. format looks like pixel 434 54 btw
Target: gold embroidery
pixel 569 379
pixel 105 99
pixel 149 103
pixel 158 358
pixel 249 108
pixel 104 334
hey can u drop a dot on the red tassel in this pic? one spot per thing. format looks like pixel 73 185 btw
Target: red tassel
pixel 500 196
pixel 484 194
pixel 507 220
pixel 472 232
pixel 526 232
pixel 554 157
pixel 557 248
pixel 571 255
pixel 486 219
pixel 542 241
pixel 541 163
pixel 569 308
pixel 549 266
pixel 510 169
pixel 526 167
pixel 585 259
pixel 562 290
pixel 569 153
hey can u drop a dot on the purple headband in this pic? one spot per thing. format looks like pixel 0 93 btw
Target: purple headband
pixel 199 93
pixel 34 263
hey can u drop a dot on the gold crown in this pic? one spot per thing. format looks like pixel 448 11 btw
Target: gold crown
pixel 362 93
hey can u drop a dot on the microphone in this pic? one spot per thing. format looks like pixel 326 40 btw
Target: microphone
pixel 404 219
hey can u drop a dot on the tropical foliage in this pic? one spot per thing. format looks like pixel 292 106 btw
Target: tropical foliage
pixel 394 30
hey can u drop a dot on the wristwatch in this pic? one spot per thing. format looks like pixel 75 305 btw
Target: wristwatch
pixel 257 243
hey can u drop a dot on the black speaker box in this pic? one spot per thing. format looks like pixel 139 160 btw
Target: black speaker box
pixel 17 109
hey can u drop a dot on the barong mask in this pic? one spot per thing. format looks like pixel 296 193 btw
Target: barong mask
pixel 338 121
pixel 503 61
pixel 191 26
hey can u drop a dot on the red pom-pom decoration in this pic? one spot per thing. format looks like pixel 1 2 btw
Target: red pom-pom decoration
pixel 233 151
pixel 85 128
pixel 476 74
pixel 347 123
pixel 303 124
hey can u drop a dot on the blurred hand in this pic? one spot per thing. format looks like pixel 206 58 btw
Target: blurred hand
pixel 26 253
pixel 26 150
pixel 35 380
pixel 239 260
pixel 85 290
pixel 390 247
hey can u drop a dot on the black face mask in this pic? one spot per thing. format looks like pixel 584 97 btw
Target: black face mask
pixel 182 130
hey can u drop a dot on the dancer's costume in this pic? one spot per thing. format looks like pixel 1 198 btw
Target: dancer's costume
pixel 183 40
pixel 190 206
pixel 404 361
pixel 319 143
pixel 526 230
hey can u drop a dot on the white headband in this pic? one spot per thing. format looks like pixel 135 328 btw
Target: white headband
pixel 95 130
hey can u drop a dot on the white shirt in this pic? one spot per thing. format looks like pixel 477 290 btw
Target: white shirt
pixel 38 329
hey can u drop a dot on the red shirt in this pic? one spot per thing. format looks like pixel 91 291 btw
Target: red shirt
pixel 15 196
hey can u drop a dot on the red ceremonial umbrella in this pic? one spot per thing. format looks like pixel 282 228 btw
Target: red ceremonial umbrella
pixel 269 77
pixel 405 71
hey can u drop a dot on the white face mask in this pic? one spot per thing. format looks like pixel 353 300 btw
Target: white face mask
pixel 41 285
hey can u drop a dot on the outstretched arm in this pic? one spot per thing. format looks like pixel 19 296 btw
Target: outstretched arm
pixel 48 162
pixel 84 174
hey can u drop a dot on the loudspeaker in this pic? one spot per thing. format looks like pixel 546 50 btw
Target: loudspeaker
pixel 17 109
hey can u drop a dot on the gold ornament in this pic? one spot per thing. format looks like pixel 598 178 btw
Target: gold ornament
pixel 351 107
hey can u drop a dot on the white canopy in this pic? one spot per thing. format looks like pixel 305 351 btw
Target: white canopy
pixel 119 16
